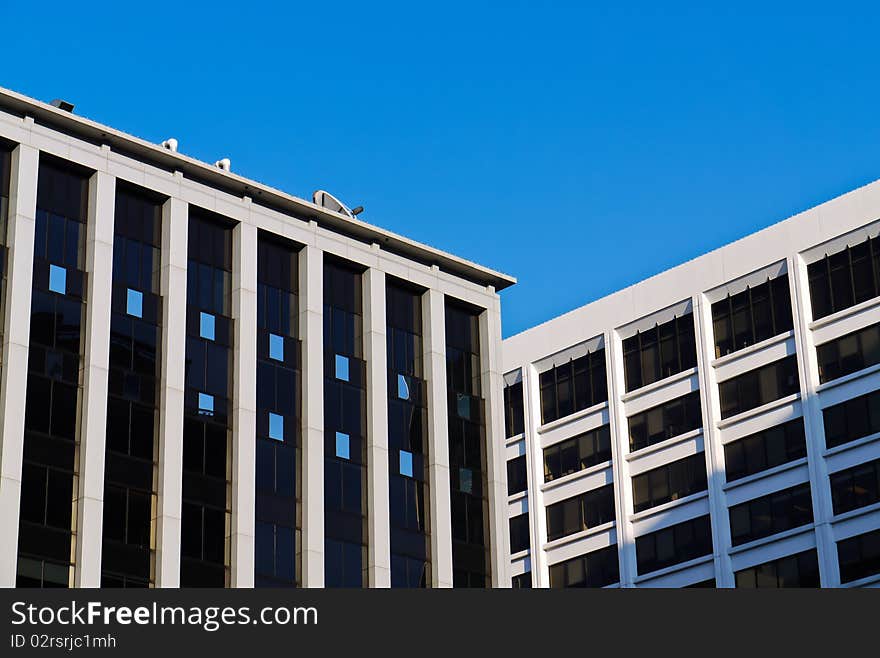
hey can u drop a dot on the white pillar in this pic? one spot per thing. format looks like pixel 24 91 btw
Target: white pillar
pixel 492 380
pixel 619 427
pixel 535 475
pixel 244 404
pixel 434 327
pixel 175 232
pixel 311 323
pixel 16 339
pixel 814 426
pixel 96 366
pixel 714 450
pixel 378 520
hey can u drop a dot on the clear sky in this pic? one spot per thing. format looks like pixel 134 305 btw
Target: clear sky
pixel 579 146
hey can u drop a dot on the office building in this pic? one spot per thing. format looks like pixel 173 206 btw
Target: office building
pixel 208 382
pixel 716 425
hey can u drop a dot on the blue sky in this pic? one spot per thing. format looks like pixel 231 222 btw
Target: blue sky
pixel 578 146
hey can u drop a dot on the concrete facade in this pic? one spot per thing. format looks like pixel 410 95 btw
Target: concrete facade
pixel 787 247
pixel 33 129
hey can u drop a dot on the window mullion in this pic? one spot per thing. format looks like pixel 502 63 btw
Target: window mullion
pixel 852 281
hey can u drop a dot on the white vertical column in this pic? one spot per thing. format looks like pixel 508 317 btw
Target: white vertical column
pixel 96 364
pixel 244 404
pixel 619 428
pixel 311 323
pixel 814 426
pixel 16 339
pixel 434 327
pixel 378 520
pixel 175 233
pixel 492 380
pixel 535 463
pixel 714 450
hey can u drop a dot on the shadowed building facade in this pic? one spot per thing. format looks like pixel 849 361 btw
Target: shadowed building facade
pixel 207 382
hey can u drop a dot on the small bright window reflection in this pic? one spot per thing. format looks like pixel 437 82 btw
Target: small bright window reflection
pixel 276 426
pixel 406 463
pixel 342 368
pixel 402 387
pixel 343 445
pixel 134 303
pixel 276 347
pixel 58 279
pixel 206 326
pixel 206 404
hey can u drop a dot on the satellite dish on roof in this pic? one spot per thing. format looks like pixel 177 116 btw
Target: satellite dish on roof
pixel 330 202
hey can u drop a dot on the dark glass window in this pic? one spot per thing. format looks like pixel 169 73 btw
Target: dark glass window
pixel 46 538
pixel 594 569
pixel 673 545
pixel 665 421
pixel 771 514
pixel 577 453
pixel 799 570
pixel 765 449
pixel 522 581
pixel 514 422
pixel 856 487
pixel 207 403
pixel 848 354
pixel 659 352
pixel 345 428
pixel 407 438
pixel 669 482
pixel 581 512
pixel 852 419
pixel 703 584
pixel 519 533
pixel 467 448
pixel 570 387
pixel 751 316
pixel 132 405
pixel 859 556
pixel 517 479
pixel 845 278
pixel 278 510
pixel 759 386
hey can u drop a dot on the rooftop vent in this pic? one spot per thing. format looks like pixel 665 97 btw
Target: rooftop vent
pixel 170 144
pixel 62 105
pixel 225 164
pixel 330 202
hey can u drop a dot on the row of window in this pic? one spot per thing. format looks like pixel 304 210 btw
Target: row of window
pixel 751 316
pixel 766 449
pixel 582 512
pixel 577 453
pixel 758 387
pixel 669 482
pixel 837 282
pixel 595 569
pixel 579 384
pixel 665 421
pixel 858 557
pixel 849 353
pixel 659 352
pixel 771 514
pixel 799 570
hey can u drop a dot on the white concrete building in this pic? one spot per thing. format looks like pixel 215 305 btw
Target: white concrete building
pixel 714 425
pixel 191 360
